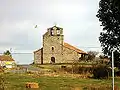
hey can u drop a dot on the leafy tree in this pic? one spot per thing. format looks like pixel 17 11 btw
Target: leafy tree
pixel 7 53
pixel 92 55
pixel 117 2
pixel 103 56
pixel 109 16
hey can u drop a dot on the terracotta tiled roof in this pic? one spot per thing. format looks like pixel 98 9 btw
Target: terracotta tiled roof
pixel 6 58
pixel 73 48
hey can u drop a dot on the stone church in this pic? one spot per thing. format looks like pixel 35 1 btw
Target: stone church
pixel 55 50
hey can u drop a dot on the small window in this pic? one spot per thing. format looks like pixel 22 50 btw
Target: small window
pixel 52 48
pixel 51 32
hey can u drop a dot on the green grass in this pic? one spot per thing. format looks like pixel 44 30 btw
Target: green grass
pixel 17 82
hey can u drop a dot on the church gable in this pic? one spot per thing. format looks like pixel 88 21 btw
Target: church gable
pixel 38 54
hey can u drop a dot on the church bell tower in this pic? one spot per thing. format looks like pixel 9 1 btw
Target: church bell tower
pixel 53 45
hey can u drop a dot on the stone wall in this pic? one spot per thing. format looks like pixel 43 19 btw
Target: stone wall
pixel 69 55
pixel 55 42
pixel 37 57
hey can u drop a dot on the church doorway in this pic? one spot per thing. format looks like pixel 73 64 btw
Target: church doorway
pixel 52 59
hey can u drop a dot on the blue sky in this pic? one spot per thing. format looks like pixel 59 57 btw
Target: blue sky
pixel 76 17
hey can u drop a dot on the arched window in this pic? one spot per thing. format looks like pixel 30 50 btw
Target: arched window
pixel 52 48
pixel 52 32
pixel 52 59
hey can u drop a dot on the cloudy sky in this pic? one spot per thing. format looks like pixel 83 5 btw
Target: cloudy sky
pixel 19 17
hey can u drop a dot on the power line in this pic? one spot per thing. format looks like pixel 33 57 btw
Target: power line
pixel 19 53
pixel 89 47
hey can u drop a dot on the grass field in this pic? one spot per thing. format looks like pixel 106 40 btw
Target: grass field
pixel 17 82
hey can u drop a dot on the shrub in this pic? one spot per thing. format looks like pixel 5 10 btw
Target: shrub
pixel 80 69
pixel 101 71
pixel 117 73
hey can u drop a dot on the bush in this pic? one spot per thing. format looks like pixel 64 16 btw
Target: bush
pixel 79 69
pixel 101 71
pixel 117 73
